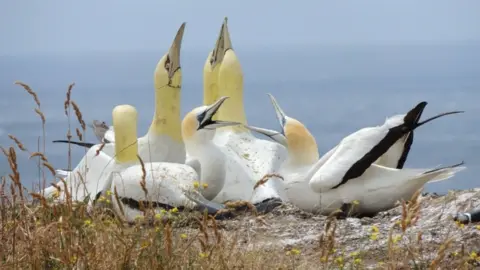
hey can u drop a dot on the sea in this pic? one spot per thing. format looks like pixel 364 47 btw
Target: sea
pixel 333 90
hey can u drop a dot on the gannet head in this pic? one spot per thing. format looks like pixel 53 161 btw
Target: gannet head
pixel 411 120
pixel 222 45
pixel 198 125
pixel 125 125
pixel 301 145
pixel 169 64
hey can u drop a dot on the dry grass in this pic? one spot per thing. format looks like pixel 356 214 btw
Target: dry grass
pixel 44 235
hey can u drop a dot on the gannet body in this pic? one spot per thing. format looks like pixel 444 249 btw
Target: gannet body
pixel 167 184
pixel 376 189
pixel 162 143
pixel 248 158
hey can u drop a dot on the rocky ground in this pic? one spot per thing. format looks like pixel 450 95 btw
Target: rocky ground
pixel 288 227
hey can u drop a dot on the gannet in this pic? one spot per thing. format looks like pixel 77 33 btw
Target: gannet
pixel 163 142
pixel 249 158
pixel 376 188
pixel 166 183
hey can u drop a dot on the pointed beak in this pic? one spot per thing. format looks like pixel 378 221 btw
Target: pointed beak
pixel 206 121
pixel 281 116
pixel 222 45
pixel 412 119
pixel 272 134
pixel 173 62
pixel 437 116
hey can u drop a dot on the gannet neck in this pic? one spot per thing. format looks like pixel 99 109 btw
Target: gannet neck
pixel 125 125
pixel 210 83
pixel 230 83
pixel 168 84
pixel 301 145
pixel 166 120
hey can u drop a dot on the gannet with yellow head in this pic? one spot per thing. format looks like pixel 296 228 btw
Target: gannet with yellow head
pixel 248 158
pixel 376 189
pixel 163 141
pixel 168 185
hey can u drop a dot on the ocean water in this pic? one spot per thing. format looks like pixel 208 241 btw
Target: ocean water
pixel 333 90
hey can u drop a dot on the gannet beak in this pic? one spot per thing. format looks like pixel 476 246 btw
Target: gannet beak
pixel 437 116
pixel 272 134
pixel 413 116
pixel 172 64
pixel 205 118
pixel 222 45
pixel 281 116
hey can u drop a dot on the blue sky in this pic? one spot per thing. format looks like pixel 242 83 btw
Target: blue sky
pixel 127 25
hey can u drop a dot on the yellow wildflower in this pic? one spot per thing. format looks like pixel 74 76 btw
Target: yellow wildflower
pixel 459 224
pixel 455 254
pixel 56 194
pixel 477 227
pixel 163 211
pixel 196 184
pixel 295 251
pixel 109 193
pixel 102 199
pixel 354 254
pixel 88 222
pixel 374 229
pixel 355 202
pixel 139 218
pixel 473 255
pixel 157 229
pixel 323 259
pixel 339 261
pixel 205 185
pixel 396 238
pixel 374 236
pixel 108 201
pixel 203 255
pixel 357 261
pixel 183 236
pixel 158 216
pixel 174 210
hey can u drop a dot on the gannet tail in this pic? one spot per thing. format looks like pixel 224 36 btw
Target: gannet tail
pixel 443 173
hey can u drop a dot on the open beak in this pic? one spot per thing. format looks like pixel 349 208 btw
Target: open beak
pixel 413 116
pixel 272 134
pixel 276 136
pixel 206 121
pixel 281 116
pixel 222 45
pixel 173 62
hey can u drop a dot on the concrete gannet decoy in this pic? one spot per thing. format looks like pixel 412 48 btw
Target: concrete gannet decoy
pixel 167 183
pixel 351 165
pixel 163 141
pixel 378 188
pixel 249 158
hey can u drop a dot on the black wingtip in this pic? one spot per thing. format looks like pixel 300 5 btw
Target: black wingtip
pixel 84 144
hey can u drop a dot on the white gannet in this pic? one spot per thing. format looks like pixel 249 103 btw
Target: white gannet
pixel 249 158
pixel 376 188
pixel 166 183
pixel 162 143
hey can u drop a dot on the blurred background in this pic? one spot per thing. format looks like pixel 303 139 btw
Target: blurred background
pixel 336 66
